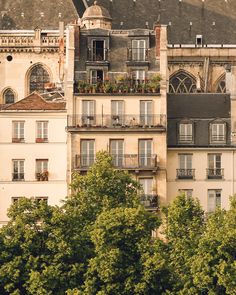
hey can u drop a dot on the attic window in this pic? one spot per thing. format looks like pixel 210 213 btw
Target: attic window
pixel 199 40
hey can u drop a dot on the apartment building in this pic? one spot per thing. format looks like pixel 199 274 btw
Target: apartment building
pixel 119 100
pixel 33 152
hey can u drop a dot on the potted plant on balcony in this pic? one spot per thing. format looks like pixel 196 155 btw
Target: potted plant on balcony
pixel 38 176
pixel 154 83
pixel 44 175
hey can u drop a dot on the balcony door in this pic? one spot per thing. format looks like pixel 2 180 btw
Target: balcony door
pixel 18 169
pixel 214 165
pixel 87 152
pixel 146 112
pixel 98 50
pixel 88 112
pixel 145 152
pixel 117 151
pixel 117 112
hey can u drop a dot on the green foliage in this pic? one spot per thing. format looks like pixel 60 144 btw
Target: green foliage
pixel 99 242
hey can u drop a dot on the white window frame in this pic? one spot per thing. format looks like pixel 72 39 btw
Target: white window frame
pixel 42 130
pixel 213 199
pixel 146 112
pixel 187 192
pixel 87 159
pixel 216 134
pixel 18 166
pixel 41 165
pixel 185 133
pixel 138 49
pixel 145 155
pixel 117 151
pixel 18 130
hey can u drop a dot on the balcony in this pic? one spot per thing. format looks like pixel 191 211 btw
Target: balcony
pixel 217 173
pixel 41 176
pixel 18 176
pixel 126 161
pixel 120 85
pixel 185 173
pixel 150 202
pixel 117 121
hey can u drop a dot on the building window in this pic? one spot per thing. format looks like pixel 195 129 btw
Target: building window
pixel 117 152
pixel 138 50
pixel 8 96
pixel 214 199
pixel 138 76
pixel 185 133
pixel 182 83
pixel 41 199
pixel 218 133
pixel 97 76
pixel 18 170
pixel 38 78
pixel 18 131
pixel 41 169
pixel 187 192
pixel 214 170
pixel 87 152
pixel 42 131
pixel 15 199
pixel 146 112
pixel 145 153
pixel 117 112
pixel 148 193
pixel 185 170
pixel 88 112
pixel 221 85
pixel 98 50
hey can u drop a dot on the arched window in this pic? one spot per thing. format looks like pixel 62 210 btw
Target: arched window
pixel 182 83
pixel 220 85
pixel 9 96
pixel 38 78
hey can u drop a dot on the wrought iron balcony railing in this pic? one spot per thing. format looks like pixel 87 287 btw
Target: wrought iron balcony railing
pixel 18 176
pixel 116 121
pixel 138 54
pixel 149 201
pixel 126 161
pixel 185 173
pixel 217 173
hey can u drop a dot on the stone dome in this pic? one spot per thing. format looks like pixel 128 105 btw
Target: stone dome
pixel 96 11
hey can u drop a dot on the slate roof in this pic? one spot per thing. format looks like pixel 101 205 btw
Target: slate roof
pixel 215 20
pixel 198 105
pixel 35 102
pixel 29 14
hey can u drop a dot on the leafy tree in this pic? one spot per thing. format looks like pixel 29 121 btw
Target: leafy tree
pixel 214 265
pixel 184 225
pixel 23 245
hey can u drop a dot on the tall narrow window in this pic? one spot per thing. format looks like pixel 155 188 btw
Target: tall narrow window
pixel 117 112
pixel 88 112
pixel 138 50
pixel 18 170
pixel 185 133
pixel 87 152
pixel 98 50
pixel 214 166
pixel 42 131
pixel 214 199
pixel 185 170
pixel 148 193
pixel 18 131
pixel 138 76
pixel 145 152
pixel 146 112
pixel 42 169
pixel 8 96
pixel 218 132
pixel 117 150
pixel 38 78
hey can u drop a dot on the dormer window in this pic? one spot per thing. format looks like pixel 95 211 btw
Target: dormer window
pixel 185 132
pixel 218 133
pixel 96 76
